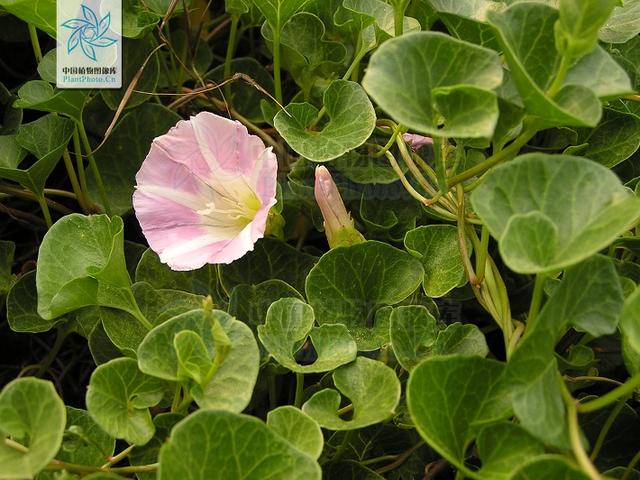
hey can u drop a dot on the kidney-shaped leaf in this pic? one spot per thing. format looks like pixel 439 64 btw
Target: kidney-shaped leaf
pixel 349 284
pixel 80 263
pixel 289 323
pixel 371 386
pixel 549 466
pixel 40 95
pixel 231 386
pixel 413 331
pixel 225 445
pixel 421 77
pixel 119 397
pixel 298 428
pixel 551 211
pixel 32 414
pixel 437 248
pixel 470 389
pixel 352 120
pixel 40 13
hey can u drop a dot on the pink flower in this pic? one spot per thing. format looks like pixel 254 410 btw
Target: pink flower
pixel 338 224
pixel 416 141
pixel 204 192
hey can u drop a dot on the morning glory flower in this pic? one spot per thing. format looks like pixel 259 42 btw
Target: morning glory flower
pixel 338 224
pixel 204 192
pixel 416 141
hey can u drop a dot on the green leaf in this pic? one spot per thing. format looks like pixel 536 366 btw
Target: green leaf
pixel 372 388
pixel 120 158
pixel 503 447
pixel 22 302
pixel 119 397
pixel 39 13
pixel 249 303
pixel 47 67
pixel 227 445
pixel 46 138
pixel 7 279
pixel 615 139
pixel 270 259
pixel 549 466
pixel 194 361
pixel 85 443
pixel 580 21
pixel 231 386
pixel 413 332
pixel 298 428
pixel 352 120
pixel 518 203
pixel 454 82
pixel 40 95
pixel 623 24
pixel 32 414
pixel 102 350
pixel 469 389
pixel 11 154
pixel 278 12
pixel 290 323
pixel 138 51
pixel 157 306
pixel 589 298
pixel 349 284
pixel 157 274
pixel 137 20
pixel 629 325
pixel 81 263
pixel 437 248
pixel 462 339
pixel 164 423
pixel 363 168
pixel 467 20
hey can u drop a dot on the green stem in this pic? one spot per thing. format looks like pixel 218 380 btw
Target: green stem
pixel 606 427
pixel 80 197
pixel 94 167
pixel 76 468
pixel 565 63
pixel 481 254
pixel 276 64
pixel 61 334
pixel 440 162
pixel 80 163
pixel 536 300
pixel 501 156
pixel 383 458
pixel 42 201
pixel 116 458
pixel 398 18
pixel 632 464
pixel 297 402
pixel 343 446
pixel 623 390
pixel 231 49
pixel 33 35
pixel 574 434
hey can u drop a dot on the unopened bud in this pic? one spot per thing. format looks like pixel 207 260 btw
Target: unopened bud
pixel 338 224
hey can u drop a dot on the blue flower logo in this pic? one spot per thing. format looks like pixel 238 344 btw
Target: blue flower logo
pixel 89 32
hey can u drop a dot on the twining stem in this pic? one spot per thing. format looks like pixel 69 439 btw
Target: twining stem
pixel 481 254
pixel 606 427
pixel 231 48
pixel 33 35
pixel 404 153
pixel 623 390
pixel 277 80
pixel 536 300
pixel 462 239
pixel 94 167
pixel 498 157
pixel 61 335
pixel 297 402
pixel 440 162
pixel 574 434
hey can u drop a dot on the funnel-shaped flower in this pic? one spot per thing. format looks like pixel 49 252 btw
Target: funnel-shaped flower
pixel 416 141
pixel 204 192
pixel 338 224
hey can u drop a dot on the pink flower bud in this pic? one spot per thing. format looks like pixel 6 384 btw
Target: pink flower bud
pixel 416 141
pixel 338 224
